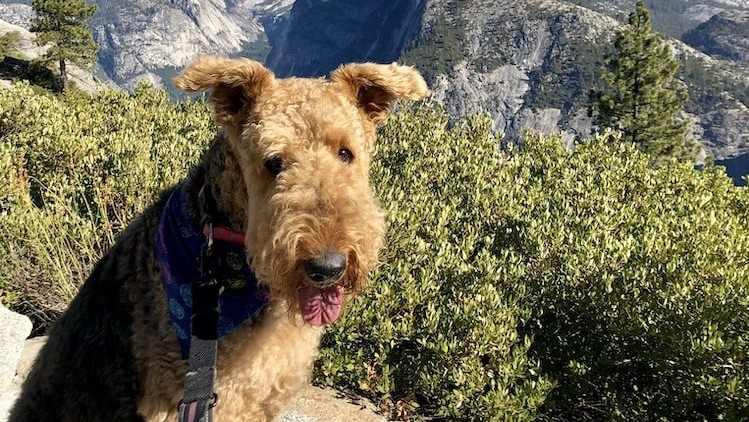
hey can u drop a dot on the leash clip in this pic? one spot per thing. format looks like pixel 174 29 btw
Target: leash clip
pixel 206 253
pixel 210 236
pixel 198 410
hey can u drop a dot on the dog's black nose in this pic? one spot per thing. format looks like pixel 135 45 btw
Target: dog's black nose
pixel 325 268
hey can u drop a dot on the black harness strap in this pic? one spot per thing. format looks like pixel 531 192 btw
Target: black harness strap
pixel 200 398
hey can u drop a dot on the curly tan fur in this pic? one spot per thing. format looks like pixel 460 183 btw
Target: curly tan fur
pixel 114 354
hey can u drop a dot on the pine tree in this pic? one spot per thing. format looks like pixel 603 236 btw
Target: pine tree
pixel 63 24
pixel 644 100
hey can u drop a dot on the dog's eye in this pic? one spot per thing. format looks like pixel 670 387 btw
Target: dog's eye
pixel 274 165
pixel 346 155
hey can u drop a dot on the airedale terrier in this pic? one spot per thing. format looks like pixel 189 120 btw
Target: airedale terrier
pixel 287 179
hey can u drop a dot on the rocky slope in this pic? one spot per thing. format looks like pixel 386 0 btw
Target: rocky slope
pixel 670 17
pixel 724 36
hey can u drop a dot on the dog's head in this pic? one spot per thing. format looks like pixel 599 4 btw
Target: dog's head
pixel 301 149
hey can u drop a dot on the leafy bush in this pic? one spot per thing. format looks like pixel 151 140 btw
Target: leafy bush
pixel 78 169
pixel 640 279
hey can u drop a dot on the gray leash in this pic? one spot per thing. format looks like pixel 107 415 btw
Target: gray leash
pixel 199 398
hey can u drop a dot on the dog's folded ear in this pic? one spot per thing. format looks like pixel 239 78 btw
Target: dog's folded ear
pixel 234 83
pixel 374 87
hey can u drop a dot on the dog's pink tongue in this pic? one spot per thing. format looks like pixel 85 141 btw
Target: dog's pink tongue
pixel 321 306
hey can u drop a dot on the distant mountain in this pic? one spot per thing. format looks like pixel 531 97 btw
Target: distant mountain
pixel 18 13
pixel 528 63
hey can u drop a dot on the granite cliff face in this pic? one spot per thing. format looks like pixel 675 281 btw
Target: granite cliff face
pixel 550 58
pixel 152 39
pixel 520 64
pixel 146 39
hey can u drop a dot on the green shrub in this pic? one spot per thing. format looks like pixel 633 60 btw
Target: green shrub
pixel 640 279
pixel 77 170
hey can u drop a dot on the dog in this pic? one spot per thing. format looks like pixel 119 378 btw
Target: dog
pixel 281 208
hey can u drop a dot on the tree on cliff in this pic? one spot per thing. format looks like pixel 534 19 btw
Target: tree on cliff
pixel 9 44
pixel 63 24
pixel 643 99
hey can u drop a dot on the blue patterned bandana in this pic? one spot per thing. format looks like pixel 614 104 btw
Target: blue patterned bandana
pixel 178 248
